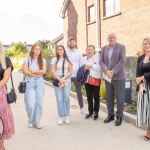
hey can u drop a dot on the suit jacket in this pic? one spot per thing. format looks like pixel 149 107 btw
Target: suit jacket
pixel 117 61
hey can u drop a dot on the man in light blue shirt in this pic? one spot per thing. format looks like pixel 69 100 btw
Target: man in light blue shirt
pixel 110 51
pixel 76 58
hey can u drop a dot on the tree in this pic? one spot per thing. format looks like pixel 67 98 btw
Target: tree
pixel 16 49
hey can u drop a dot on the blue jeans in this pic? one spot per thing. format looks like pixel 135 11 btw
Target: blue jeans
pixel 34 98
pixel 63 102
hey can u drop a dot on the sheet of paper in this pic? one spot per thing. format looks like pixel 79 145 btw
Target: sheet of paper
pixel 106 78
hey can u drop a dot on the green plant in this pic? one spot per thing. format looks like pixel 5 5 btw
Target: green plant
pixel 103 90
pixel 16 49
pixel 17 52
pixel 47 52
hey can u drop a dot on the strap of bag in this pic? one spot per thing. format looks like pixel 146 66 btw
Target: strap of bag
pixel 28 66
pixel 63 67
pixel 11 82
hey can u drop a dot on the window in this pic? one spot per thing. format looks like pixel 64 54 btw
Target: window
pixel 111 7
pixel 91 13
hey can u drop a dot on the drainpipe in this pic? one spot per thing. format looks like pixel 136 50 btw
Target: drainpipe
pixel 98 28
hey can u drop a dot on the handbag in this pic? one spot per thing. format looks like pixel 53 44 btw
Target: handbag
pixel 93 81
pixel 22 87
pixel 56 81
pixel 11 96
pixel 22 84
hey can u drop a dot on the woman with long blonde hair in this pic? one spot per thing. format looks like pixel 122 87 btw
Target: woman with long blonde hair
pixel 34 68
pixel 143 84
pixel 5 110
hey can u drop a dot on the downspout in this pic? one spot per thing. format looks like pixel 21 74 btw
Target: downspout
pixel 98 26
pixel 86 23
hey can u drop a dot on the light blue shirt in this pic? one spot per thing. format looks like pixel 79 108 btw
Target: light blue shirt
pixel 110 51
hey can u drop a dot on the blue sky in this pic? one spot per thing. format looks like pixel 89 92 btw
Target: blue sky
pixel 30 20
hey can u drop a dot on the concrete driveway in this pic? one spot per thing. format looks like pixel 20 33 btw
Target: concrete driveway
pixel 81 134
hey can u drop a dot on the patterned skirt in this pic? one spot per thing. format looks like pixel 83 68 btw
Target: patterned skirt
pixel 143 108
pixel 6 115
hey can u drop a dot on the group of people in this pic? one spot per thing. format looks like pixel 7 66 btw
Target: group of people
pixel 109 65
pixel 110 62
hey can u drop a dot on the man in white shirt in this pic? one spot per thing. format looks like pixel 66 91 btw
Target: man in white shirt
pixel 76 58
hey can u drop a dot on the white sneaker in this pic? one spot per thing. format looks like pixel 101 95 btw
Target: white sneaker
pixel 83 111
pixel 67 120
pixel 38 125
pixel 30 125
pixel 60 121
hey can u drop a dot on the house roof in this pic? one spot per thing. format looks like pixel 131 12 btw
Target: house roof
pixel 63 8
pixel 57 39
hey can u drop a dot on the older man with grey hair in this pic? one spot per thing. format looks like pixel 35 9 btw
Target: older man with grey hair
pixel 112 63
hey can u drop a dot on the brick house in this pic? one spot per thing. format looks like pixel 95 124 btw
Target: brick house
pixel 90 21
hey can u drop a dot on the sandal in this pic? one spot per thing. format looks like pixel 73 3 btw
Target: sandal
pixel 146 138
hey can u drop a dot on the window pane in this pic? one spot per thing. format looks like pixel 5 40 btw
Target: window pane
pixel 109 7
pixel 117 5
pixel 91 14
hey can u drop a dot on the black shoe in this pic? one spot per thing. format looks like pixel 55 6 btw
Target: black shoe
pixel 88 116
pixel 109 118
pixel 118 121
pixel 95 116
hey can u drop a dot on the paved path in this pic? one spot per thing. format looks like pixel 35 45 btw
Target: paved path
pixel 81 134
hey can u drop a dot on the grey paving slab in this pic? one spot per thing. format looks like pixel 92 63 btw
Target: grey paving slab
pixel 81 134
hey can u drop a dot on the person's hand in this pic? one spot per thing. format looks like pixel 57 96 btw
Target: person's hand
pixel 141 90
pixel 139 79
pixel 29 70
pixel 88 67
pixel 62 81
pixel 109 74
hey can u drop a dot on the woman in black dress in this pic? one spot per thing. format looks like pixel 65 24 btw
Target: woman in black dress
pixel 143 82
pixel 5 110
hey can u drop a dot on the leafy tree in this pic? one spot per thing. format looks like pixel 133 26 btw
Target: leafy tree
pixel 16 49
pixel 47 47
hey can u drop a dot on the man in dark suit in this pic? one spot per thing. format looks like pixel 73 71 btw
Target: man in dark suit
pixel 112 62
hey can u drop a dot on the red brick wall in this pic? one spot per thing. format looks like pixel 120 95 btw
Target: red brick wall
pixel 130 27
pixel 75 21
pixel 91 27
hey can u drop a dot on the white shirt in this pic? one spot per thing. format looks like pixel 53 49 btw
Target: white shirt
pixel 95 71
pixel 33 64
pixel 76 58
pixel 59 65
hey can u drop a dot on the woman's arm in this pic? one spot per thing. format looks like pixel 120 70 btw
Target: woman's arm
pixel 53 71
pixel 27 72
pixel 6 77
pixel 40 72
pixel 70 70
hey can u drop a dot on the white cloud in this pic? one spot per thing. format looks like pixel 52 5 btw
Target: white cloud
pixel 29 20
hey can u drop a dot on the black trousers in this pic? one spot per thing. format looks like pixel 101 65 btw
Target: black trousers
pixel 92 92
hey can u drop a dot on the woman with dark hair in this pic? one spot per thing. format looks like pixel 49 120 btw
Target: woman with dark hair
pixel 5 110
pixel 61 69
pixel 143 84
pixel 34 68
